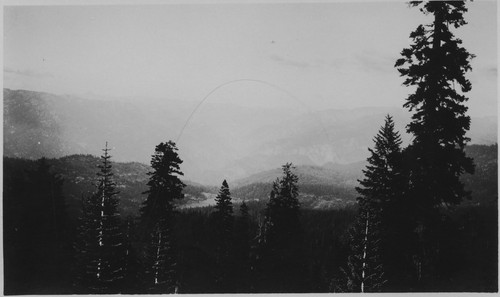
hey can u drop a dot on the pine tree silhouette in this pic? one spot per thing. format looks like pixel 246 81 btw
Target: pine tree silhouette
pixel 223 222
pixel 157 215
pixel 436 65
pixel 279 259
pixel 381 198
pixel 365 270
pixel 100 246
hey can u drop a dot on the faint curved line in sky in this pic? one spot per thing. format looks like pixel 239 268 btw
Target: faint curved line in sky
pixel 246 80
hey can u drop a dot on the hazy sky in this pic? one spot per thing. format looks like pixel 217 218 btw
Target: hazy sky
pixel 329 55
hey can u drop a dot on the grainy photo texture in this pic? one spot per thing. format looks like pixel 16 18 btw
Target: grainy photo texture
pixel 223 147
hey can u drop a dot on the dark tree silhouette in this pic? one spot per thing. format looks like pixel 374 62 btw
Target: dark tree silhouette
pixel 224 222
pixel 157 215
pixel 282 212
pixel 243 234
pixel 100 246
pixel 365 271
pixel 436 65
pixel 35 231
pixel 280 236
pixel 380 203
pixel 382 184
pixel 383 191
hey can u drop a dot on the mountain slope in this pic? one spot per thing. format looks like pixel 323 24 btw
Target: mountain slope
pixel 221 140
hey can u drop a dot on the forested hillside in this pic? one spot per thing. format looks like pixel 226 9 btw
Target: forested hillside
pixel 329 186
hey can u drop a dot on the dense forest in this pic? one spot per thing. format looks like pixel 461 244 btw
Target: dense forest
pixel 419 218
pixel 469 235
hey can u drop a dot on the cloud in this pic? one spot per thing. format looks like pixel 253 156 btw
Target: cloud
pixel 27 73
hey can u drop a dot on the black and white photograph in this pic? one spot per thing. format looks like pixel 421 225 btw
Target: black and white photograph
pixel 249 147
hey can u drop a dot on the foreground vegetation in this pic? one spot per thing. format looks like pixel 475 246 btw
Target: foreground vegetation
pixel 36 263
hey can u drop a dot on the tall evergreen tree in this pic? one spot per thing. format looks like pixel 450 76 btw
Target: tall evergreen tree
pixel 365 271
pixel 100 246
pixel 381 193
pixel 282 211
pixel 224 221
pixel 436 65
pixel 383 190
pixel 280 241
pixel 382 184
pixel 243 235
pixel 157 215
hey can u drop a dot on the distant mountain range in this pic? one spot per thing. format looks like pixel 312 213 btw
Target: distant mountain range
pixel 221 141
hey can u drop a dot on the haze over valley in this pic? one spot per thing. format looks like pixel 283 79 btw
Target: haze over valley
pixel 221 141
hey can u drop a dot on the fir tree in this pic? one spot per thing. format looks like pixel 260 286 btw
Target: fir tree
pixel 365 270
pixel 223 224
pixel 436 65
pixel 224 221
pixel 383 190
pixel 282 211
pixel 100 247
pixel 157 215
pixel 381 193
pixel 382 184
pixel 279 260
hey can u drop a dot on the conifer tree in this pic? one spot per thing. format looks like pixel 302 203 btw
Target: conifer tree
pixel 224 221
pixel 382 184
pixel 280 241
pixel 243 233
pixel 100 246
pixel 383 189
pixel 157 215
pixel 436 65
pixel 282 211
pixel 381 193
pixel 365 271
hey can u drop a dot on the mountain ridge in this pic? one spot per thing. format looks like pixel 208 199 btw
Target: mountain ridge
pixel 219 142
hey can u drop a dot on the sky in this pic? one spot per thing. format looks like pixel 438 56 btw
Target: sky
pixel 326 55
